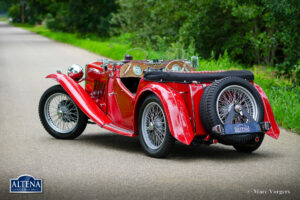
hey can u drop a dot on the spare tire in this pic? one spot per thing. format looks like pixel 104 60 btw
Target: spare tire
pixel 218 99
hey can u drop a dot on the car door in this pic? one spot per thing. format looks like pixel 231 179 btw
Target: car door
pixel 120 103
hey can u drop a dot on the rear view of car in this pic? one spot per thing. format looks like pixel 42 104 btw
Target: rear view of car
pixel 160 101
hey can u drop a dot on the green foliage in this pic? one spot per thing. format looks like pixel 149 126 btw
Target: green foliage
pixel 262 32
pixel 90 16
pixel 253 32
pixel 81 16
pixel 4 6
pixel 78 16
pixel 285 101
pixel 14 12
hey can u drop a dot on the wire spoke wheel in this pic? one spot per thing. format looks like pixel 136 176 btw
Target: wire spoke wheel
pixel 153 125
pixel 154 133
pixel 61 113
pixel 236 95
pixel 232 100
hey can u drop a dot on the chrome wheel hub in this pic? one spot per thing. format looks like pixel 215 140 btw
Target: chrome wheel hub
pixel 150 127
pixel 238 108
pixel 153 125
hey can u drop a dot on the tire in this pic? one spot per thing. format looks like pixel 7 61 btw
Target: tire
pixel 148 135
pixel 249 148
pixel 211 117
pixel 66 114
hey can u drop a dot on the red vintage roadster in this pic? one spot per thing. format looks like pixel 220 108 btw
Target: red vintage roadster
pixel 160 101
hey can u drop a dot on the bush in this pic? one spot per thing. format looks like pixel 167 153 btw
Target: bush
pixel 81 16
pixel 253 32
pixel 58 23
pixel 15 13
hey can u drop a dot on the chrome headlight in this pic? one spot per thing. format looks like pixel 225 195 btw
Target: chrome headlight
pixel 75 72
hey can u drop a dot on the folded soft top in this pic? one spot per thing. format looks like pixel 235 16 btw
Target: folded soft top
pixel 187 77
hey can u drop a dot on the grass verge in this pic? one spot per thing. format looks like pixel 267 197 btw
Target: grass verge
pixel 283 95
pixel 3 19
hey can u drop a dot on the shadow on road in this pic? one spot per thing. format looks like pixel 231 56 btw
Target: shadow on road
pixel 179 152
pixel 113 141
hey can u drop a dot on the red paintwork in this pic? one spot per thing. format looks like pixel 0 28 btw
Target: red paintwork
pixel 85 103
pixel 269 116
pixel 196 91
pixel 81 98
pixel 175 109
pixel 120 104
pixel 107 102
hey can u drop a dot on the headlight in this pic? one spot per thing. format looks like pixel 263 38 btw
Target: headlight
pixel 75 72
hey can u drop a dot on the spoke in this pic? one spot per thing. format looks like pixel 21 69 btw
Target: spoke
pixel 154 125
pixel 235 94
pixel 68 120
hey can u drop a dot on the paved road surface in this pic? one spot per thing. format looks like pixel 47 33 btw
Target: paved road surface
pixel 103 165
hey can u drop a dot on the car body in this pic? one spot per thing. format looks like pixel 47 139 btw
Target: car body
pixel 115 91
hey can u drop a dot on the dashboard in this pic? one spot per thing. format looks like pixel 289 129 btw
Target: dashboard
pixel 136 68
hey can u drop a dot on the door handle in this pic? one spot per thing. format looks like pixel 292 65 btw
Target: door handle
pixel 112 93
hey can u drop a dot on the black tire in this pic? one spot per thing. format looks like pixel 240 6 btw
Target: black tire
pixel 168 140
pixel 209 116
pixel 81 123
pixel 249 148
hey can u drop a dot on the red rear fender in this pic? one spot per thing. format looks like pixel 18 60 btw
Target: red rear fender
pixel 269 116
pixel 175 109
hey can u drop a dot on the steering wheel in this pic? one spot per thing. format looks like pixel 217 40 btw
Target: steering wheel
pixel 178 66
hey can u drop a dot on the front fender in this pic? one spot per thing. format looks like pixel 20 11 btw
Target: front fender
pixel 82 99
pixel 269 116
pixel 175 111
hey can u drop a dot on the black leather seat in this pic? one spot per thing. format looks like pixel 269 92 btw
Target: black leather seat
pixel 187 77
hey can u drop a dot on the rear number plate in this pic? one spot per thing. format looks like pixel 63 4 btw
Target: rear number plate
pixel 232 129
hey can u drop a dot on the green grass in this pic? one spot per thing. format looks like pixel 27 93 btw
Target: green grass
pixel 114 48
pixel 3 19
pixel 283 95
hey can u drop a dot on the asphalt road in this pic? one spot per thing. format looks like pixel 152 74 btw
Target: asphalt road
pixel 103 165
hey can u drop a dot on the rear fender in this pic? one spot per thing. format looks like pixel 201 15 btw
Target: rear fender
pixel 175 111
pixel 269 116
pixel 81 98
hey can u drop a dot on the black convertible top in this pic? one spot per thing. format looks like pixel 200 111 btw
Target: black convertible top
pixel 187 77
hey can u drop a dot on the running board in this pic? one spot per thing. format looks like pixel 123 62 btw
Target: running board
pixel 115 128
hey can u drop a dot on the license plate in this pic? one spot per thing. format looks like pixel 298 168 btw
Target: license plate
pixel 233 129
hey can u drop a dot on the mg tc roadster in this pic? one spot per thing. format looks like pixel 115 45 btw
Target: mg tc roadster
pixel 160 101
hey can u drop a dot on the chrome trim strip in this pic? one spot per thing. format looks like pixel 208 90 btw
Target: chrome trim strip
pixel 117 127
pixel 128 68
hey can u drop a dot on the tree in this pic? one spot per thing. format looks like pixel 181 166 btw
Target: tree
pixel 251 31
